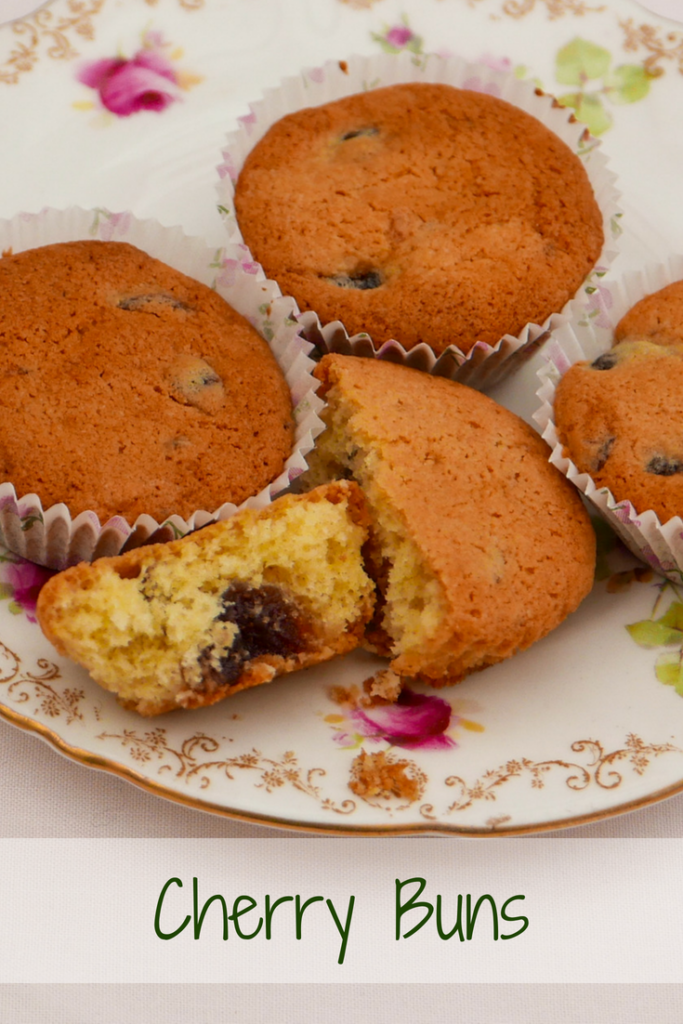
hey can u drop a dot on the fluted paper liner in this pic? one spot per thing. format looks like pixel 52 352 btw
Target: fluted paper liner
pixel 586 335
pixel 50 536
pixel 485 364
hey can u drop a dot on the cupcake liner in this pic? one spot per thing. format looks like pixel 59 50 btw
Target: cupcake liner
pixel 51 536
pixel 586 335
pixel 485 364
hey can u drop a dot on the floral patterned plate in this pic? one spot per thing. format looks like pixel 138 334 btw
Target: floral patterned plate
pixel 587 723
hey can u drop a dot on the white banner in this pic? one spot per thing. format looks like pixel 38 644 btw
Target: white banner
pixel 341 910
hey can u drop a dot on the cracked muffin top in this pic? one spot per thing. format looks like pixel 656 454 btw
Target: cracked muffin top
pixel 618 417
pixel 478 545
pixel 127 387
pixel 422 213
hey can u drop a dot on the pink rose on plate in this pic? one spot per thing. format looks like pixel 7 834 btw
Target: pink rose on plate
pixel 147 81
pixel 22 582
pixel 399 36
pixel 415 720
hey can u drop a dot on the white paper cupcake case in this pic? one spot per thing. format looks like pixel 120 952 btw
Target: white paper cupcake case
pixel 586 335
pixel 484 365
pixel 51 537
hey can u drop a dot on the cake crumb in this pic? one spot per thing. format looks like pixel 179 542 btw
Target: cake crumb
pixel 385 684
pixel 375 775
pixel 345 695
pixel 384 687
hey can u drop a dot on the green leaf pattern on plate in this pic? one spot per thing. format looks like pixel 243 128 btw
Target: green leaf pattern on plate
pixel 580 61
pixel 397 38
pixel 587 66
pixel 664 631
pixel 581 64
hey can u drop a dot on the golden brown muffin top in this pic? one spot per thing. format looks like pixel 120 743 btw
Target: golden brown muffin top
pixel 619 418
pixel 422 213
pixel 127 387
pixel 657 318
